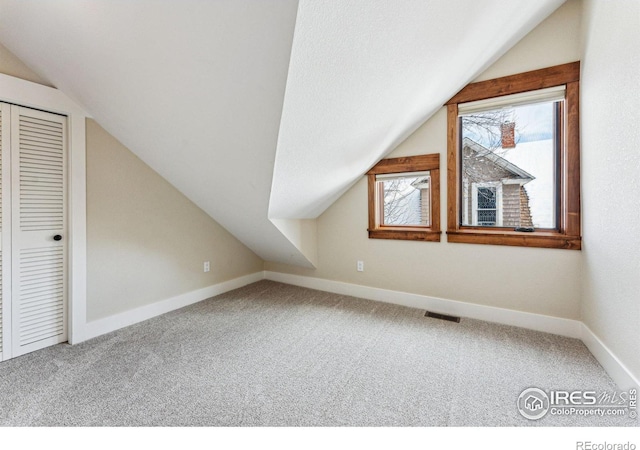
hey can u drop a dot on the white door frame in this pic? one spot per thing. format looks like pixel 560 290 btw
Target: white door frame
pixel 34 95
pixel 5 350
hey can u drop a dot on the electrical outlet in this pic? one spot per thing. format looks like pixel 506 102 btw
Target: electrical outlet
pixel 360 266
pixel 207 266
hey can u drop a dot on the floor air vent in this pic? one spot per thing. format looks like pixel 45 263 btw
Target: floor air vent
pixel 442 317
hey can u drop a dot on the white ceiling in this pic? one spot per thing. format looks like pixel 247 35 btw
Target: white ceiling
pixel 197 90
pixel 364 75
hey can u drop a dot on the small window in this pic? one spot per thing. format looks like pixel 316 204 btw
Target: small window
pixel 513 151
pixel 485 208
pixel 404 198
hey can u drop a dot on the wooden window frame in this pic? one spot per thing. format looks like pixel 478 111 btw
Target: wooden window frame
pixel 401 165
pixel 567 234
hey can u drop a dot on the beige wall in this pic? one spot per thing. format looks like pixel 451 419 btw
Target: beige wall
pixel 544 281
pixel 11 65
pixel 610 163
pixel 555 41
pixel 146 242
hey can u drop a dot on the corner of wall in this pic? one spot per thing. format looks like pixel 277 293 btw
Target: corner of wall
pixel 11 65
pixel 303 234
pixel 609 305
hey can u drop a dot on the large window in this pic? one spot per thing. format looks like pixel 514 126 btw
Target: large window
pixel 513 160
pixel 404 198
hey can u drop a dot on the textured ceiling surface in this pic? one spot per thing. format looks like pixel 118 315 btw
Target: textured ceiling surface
pixel 364 75
pixel 263 110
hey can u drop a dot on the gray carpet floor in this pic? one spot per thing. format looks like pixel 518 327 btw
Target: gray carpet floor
pixel 271 354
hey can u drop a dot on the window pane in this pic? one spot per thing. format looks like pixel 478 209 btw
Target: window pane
pixel 406 199
pixel 486 198
pixel 487 204
pixel 509 166
pixel 487 217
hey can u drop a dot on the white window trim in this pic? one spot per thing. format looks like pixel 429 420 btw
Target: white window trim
pixel 33 95
pixel 465 202
pixel 474 198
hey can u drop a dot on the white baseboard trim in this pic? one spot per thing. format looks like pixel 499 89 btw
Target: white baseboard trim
pixel 623 377
pixel 124 319
pixel 538 322
pixel 609 361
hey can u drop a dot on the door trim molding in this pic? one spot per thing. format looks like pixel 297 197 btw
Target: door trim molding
pixel 33 95
pixel 5 245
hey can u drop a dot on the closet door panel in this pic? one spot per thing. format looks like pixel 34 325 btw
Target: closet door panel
pixel 38 153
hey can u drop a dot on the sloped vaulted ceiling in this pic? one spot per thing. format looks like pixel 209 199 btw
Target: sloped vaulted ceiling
pixel 257 124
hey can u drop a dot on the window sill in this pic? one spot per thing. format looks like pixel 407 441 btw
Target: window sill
pixel 540 239
pixel 406 234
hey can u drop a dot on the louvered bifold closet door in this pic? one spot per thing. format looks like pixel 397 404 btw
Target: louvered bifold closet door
pixel 38 153
pixel 5 235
